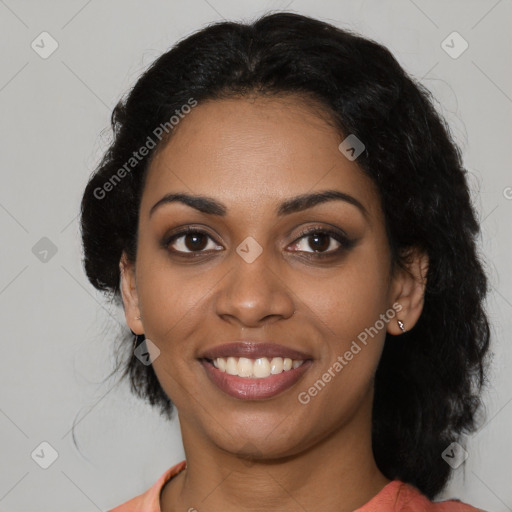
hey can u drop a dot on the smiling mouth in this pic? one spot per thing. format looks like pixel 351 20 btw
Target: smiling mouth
pixel 259 368
pixel 252 379
pixel 250 370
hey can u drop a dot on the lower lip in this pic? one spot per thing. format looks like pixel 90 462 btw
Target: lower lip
pixel 246 388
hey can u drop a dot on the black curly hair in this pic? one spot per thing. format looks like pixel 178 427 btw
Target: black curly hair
pixel 429 380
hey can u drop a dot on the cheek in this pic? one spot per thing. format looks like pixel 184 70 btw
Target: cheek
pixel 350 298
pixel 174 300
pixel 348 309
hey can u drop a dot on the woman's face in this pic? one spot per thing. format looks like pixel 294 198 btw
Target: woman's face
pixel 251 275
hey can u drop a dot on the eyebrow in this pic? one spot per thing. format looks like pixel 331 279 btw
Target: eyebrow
pixel 211 206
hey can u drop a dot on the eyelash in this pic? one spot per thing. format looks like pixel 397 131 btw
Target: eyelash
pixel 344 241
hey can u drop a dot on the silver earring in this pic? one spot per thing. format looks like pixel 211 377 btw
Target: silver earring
pixel 401 325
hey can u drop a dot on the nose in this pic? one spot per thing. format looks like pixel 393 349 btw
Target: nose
pixel 254 293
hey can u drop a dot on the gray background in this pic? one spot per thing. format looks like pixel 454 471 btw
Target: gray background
pixel 58 333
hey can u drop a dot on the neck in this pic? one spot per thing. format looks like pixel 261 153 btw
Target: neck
pixel 338 474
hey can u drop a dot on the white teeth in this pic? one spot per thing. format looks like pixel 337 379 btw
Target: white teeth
pixel 231 366
pixel 244 367
pixel 261 368
pixel 276 365
pixel 256 368
pixel 221 364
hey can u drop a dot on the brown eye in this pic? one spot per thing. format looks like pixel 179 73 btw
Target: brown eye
pixel 191 241
pixel 322 243
pixel 195 241
pixel 319 241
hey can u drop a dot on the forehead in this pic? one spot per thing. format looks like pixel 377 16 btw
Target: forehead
pixel 254 151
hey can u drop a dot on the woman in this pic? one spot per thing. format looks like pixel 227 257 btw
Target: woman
pixel 287 221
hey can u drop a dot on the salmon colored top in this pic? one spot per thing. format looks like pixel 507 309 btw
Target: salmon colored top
pixel 396 496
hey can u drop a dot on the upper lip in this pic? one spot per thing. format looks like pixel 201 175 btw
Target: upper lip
pixel 253 350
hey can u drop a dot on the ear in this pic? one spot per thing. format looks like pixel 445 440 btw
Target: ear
pixel 408 290
pixel 129 295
